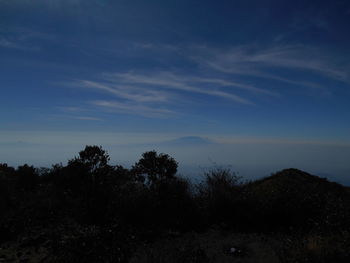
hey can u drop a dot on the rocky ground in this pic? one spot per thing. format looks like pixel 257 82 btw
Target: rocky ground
pixel 212 246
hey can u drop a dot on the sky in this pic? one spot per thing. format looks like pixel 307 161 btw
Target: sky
pixel 254 85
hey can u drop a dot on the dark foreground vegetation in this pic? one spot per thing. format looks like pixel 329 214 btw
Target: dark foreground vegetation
pixel 92 211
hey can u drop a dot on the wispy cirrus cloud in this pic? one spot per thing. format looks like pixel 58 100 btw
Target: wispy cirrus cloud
pixel 23 38
pixel 222 74
pixel 129 99
pixel 132 108
pixel 154 94
pixel 183 83
pixel 230 84
pixel 270 62
pixel 261 62
pixel 6 43
pixel 131 93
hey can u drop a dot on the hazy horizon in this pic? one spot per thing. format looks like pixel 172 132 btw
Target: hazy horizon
pixel 252 158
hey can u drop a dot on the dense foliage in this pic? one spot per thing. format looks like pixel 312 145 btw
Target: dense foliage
pixel 92 211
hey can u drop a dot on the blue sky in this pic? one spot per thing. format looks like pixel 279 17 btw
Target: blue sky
pixel 271 76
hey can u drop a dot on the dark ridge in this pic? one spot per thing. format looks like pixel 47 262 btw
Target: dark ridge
pixel 297 179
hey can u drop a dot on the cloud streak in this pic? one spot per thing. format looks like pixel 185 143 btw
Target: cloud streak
pixel 131 108
pixel 5 43
pixel 260 62
pixel 170 81
pixel 126 92
pixel 155 94
pixel 221 74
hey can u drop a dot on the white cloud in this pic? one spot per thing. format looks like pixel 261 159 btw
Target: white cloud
pixel 157 94
pixel 219 75
pixel 168 80
pixel 228 83
pixel 252 61
pixel 126 92
pixel 131 108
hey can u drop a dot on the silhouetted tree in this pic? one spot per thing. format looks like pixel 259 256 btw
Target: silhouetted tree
pixel 6 170
pixel 89 177
pixel 91 166
pixel 156 166
pixel 27 177
pixel 94 158
pixel 7 188
pixel 121 176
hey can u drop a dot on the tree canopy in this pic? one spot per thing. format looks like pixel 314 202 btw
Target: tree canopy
pixel 93 158
pixel 156 166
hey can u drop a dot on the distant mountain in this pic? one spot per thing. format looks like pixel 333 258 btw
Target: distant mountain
pixel 189 140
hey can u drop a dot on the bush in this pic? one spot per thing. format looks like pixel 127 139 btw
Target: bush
pixel 218 195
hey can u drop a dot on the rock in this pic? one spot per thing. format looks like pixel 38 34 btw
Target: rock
pixel 235 251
